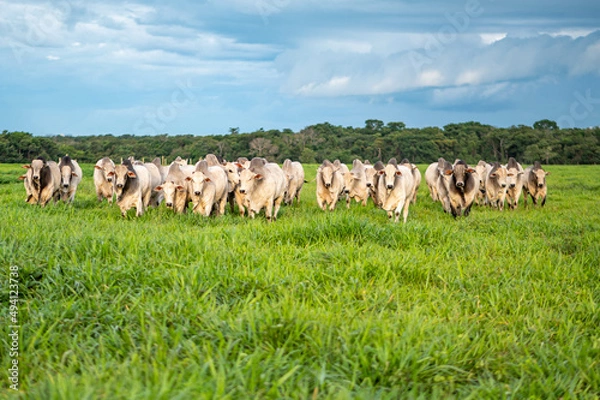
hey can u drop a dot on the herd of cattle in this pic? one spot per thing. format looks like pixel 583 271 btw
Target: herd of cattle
pixel 256 184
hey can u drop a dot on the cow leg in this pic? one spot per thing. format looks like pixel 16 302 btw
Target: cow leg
pixel 405 212
pixel 140 206
pixel 543 201
pixel 277 206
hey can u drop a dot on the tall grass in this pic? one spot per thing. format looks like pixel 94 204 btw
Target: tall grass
pixel 315 305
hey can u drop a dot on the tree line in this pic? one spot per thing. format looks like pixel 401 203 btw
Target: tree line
pixel 470 141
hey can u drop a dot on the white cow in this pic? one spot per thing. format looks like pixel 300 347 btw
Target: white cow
pixel 416 176
pixel 330 184
pixel 396 189
pixel 264 187
pixel 104 174
pixel 514 180
pixel 294 173
pixel 175 187
pixel 355 184
pixel 132 187
pixel 496 186
pixel 208 189
pixel 71 175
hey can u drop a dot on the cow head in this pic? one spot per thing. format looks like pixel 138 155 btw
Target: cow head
pixel 233 173
pixel 198 182
pixel 461 173
pixel 248 179
pixel 36 168
pixel 66 173
pixel 123 175
pixel 499 174
pixel 328 171
pixel 539 177
pixel 170 190
pixel 389 175
pixel 108 170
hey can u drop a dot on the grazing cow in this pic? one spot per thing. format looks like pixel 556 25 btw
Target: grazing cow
pixel 155 180
pixel 396 188
pixel 432 174
pixel 462 188
pixel 355 184
pixel 514 180
pixel 534 184
pixel 71 175
pixel 208 189
pixel 233 170
pixel 132 187
pixel 495 186
pixel 330 185
pixel 264 187
pixel 44 184
pixel 482 169
pixel 294 173
pixel 175 187
pixel 104 174
pixel 416 176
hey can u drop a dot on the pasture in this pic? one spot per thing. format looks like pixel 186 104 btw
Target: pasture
pixel 315 305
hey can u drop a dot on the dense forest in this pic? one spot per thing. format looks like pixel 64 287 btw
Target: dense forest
pixel 470 141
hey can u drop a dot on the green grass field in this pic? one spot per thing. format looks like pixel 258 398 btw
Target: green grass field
pixel 315 305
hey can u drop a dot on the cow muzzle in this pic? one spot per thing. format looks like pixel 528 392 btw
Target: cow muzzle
pixel 540 185
pixel 243 191
pixel 328 185
pixel 390 187
pixel 170 205
pixel 120 185
pixel 36 177
pixel 66 185
pixel 512 185
pixel 460 184
pixel 197 193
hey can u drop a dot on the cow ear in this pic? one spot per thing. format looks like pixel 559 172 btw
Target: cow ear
pixel 448 172
pixel 180 188
pixel 398 173
pixel 237 164
pixel 111 173
pixel 97 167
pixel 381 172
pixel 470 170
pixel 548 173
pixel 207 179
pixel 22 177
pixel 520 173
pixel 258 176
pixel 74 174
pixel 158 188
pixel 27 166
pixel 510 174
pixel 188 178
pixel 131 174
pixel 493 175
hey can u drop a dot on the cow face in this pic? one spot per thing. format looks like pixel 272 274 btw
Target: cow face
pixel 122 176
pixel 36 169
pixel 66 174
pixel 170 190
pixel 108 170
pixel 327 174
pixel 389 175
pixel 481 170
pixel 461 173
pixel 349 178
pixel 539 177
pixel 500 175
pixel 233 173
pixel 247 180
pixel 513 177
pixel 198 182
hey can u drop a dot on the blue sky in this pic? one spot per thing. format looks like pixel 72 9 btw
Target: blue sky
pixel 201 67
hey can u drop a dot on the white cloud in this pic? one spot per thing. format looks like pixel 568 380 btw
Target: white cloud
pixel 489 38
pixel 52 58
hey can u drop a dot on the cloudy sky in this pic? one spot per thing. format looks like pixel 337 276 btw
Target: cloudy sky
pixel 144 67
